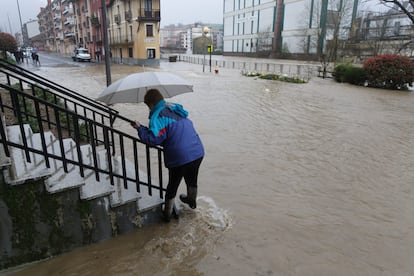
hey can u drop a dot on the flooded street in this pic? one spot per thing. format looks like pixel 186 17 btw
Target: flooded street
pixel 298 179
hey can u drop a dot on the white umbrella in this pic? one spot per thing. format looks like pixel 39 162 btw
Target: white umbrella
pixel 132 88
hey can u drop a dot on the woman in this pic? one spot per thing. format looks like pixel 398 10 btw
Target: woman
pixel 170 128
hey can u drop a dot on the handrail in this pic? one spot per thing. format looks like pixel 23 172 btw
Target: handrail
pixel 100 135
pixel 61 89
pixel 37 82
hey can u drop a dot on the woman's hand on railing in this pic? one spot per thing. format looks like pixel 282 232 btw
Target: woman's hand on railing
pixel 135 124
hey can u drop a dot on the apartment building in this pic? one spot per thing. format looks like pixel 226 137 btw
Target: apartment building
pixel 285 26
pixel 132 28
pixel 381 33
pixel 182 37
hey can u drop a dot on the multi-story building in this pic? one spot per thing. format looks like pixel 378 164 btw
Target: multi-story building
pixel 46 27
pixel 285 26
pixel 389 32
pixel 181 37
pixel 68 26
pixel 132 28
pixel 30 32
pixel 58 26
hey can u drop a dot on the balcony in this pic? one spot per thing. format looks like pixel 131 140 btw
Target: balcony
pixel 128 16
pixel 57 17
pixel 117 18
pixel 95 21
pixel 149 16
pixel 118 40
pixel 67 11
pixel 84 10
pixel 86 24
pixel 69 33
pixel 69 21
pixel 58 27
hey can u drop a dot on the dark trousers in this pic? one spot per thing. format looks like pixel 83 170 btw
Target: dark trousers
pixel 190 173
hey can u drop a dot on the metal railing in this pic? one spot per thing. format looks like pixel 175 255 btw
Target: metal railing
pixel 149 15
pixel 305 71
pixel 31 99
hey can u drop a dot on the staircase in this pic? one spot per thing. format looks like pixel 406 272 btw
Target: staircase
pixel 76 162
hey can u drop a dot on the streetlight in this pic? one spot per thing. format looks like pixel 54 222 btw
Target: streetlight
pixel 106 44
pixel 20 17
pixel 205 32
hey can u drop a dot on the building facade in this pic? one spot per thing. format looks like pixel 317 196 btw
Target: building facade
pixel 182 37
pixel 132 28
pixel 285 26
pixel 391 32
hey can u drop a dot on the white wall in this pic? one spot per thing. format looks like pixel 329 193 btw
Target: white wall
pixel 243 20
pixel 32 28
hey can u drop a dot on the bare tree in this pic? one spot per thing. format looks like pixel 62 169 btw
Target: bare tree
pixel 264 41
pixel 406 6
pixel 338 26
pixel 311 27
pixel 374 35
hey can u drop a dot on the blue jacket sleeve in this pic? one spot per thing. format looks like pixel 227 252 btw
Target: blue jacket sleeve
pixel 149 138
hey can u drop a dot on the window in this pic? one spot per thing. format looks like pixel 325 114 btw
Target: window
pixel 150 30
pixel 130 33
pixel 130 52
pixel 148 5
pixel 150 53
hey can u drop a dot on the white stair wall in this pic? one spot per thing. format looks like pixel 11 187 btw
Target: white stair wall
pixel 57 180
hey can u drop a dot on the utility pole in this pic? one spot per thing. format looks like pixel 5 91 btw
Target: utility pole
pixel 20 17
pixel 10 27
pixel 106 45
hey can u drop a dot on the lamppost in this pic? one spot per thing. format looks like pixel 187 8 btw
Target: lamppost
pixel 106 44
pixel 20 17
pixel 205 32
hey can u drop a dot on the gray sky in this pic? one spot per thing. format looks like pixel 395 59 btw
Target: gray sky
pixel 191 11
pixel 29 9
pixel 172 12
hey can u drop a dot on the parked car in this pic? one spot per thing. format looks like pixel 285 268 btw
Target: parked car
pixel 81 54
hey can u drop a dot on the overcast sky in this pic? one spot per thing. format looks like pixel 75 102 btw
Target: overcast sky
pixel 172 12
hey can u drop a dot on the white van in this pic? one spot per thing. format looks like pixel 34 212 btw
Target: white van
pixel 81 54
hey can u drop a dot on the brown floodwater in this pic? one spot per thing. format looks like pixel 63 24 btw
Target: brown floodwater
pixel 298 179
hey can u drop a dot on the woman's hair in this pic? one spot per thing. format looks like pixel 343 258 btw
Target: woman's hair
pixel 153 96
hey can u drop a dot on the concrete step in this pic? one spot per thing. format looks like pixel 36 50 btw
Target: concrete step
pixel 21 170
pixel 94 188
pixel 123 195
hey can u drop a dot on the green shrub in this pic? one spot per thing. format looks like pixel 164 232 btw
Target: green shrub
pixel 389 71
pixel 339 72
pixel 355 75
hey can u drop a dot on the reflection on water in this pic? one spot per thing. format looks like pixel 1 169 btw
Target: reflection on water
pixel 298 179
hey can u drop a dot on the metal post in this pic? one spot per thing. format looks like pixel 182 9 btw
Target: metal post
pixel 106 45
pixel 210 56
pixel 205 30
pixel 204 52
pixel 20 17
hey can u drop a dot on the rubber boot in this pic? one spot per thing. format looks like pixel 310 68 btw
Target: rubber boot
pixel 168 209
pixel 190 198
